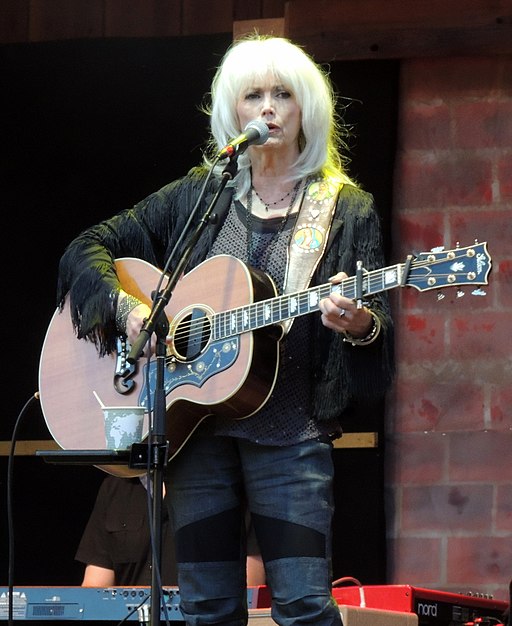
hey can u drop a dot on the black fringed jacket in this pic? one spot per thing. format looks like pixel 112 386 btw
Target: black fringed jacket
pixel 342 373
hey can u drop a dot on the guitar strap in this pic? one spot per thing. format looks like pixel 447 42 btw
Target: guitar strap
pixel 309 238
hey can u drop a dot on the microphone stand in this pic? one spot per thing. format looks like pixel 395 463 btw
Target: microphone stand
pixel 157 444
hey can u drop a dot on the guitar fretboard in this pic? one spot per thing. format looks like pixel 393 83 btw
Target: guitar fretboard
pixel 288 306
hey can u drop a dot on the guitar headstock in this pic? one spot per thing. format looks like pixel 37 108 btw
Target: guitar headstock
pixel 447 268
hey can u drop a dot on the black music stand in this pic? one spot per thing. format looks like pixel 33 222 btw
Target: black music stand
pixel 86 457
pixel 138 455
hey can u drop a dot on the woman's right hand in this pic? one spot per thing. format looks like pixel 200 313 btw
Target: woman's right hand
pixel 130 318
pixel 134 323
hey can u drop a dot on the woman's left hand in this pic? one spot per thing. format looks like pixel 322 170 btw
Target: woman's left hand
pixel 341 314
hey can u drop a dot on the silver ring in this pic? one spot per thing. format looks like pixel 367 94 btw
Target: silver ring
pixel 342 312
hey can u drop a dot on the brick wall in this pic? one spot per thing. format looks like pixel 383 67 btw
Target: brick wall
pixel 449 417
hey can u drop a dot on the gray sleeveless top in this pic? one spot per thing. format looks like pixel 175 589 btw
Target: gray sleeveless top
pixel 286 416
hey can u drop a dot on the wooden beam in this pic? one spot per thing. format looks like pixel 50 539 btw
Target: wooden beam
pixel 14 22
pixel 29 448
pixel 140 18
pixel 65 19
pixel 271 26
pixel 357 440
pixel 363 29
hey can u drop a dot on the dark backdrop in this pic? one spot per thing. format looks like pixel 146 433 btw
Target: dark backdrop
pixel 89 128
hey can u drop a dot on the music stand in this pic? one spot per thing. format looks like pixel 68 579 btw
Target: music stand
pixel 156 323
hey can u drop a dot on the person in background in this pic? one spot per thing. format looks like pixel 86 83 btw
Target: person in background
pixel 116 545
pixel 277 456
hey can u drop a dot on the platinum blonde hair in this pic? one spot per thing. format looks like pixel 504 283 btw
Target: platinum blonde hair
pixel 253 58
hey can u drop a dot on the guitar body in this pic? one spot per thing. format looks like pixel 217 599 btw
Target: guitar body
pixel 231 377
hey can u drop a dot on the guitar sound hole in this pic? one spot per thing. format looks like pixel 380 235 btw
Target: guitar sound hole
pixel 192 335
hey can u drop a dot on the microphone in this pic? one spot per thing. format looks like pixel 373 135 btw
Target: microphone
pixel 256 132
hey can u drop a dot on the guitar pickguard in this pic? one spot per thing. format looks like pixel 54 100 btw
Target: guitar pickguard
pixel 218 357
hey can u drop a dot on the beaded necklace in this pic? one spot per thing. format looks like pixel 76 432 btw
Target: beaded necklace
pixel 267 205
pixel 278 231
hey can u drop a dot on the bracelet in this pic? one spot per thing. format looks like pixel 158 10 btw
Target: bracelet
pixel 370 337
pixel 124 308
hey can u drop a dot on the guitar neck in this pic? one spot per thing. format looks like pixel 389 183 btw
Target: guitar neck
pixel 288 306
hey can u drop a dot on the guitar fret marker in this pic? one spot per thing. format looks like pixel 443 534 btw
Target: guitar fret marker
pixel 390 277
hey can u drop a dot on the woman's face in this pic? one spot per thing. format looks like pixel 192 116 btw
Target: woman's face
pixel 270 102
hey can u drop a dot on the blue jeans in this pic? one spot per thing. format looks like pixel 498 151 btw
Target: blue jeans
pixel 289 493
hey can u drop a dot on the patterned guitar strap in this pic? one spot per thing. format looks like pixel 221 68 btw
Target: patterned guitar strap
pixel 310 235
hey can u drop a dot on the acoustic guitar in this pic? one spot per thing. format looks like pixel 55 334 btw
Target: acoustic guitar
pixel 223 347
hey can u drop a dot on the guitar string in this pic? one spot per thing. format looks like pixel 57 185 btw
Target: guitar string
pixel 372 278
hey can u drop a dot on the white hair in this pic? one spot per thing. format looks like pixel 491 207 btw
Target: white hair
pixel 254 58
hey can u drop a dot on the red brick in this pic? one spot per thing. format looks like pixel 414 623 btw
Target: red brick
pixel 481 456
pixel 502 283
pixel 447 508
pixel 473 296
pixel 425 126
pixel 479 560
pixel 415 561
pixel 493 226
pixel 501 406
pixel 435 181
pixel 504 508
pixel 505 177
pixel 443 300
pixel 418 231
pixel 434 404
pixel 417 458
pixel 483 124
pixel 481 336
pixel 454 77
pixel 420 337
pixel 409 300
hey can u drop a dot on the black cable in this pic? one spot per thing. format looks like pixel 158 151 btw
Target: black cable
pixel 10 523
